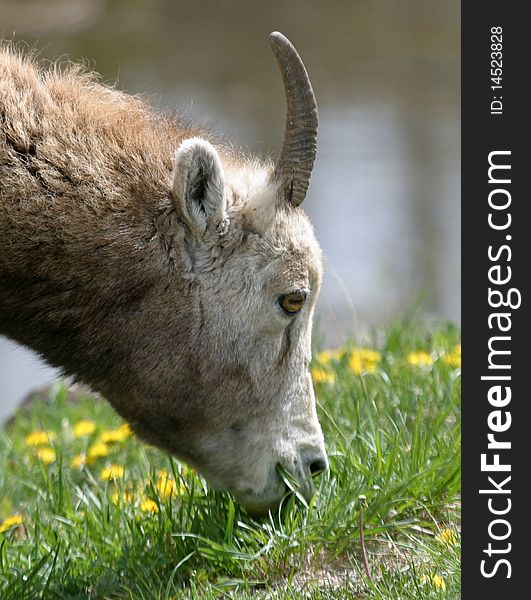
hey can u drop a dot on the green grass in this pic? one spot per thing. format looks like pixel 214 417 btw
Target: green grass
pixel 393 436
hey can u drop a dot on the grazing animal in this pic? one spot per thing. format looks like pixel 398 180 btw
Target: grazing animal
pixel 175 276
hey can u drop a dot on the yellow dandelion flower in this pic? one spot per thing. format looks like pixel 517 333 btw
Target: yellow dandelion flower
pixel 166 486
pixel 125 429
pixel 124 497
pixel 116 435
pixel 362 360
pixel 436 580
pixel 83 428
pixel 322 376
pixel 10 522
pixel 112 472
pixel 419 359
pixel 80 460
pixel 327 356
pixel 453 358
pixel 46 455
pixel 148 505
pixel 39 438
pixel 447 536
pixel 98 450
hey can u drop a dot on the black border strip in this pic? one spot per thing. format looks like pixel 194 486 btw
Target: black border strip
pixel 488 128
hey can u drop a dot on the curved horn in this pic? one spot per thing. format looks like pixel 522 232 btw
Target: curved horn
pixel 294 167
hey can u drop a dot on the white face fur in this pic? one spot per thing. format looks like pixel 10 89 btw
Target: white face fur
pixel 258 269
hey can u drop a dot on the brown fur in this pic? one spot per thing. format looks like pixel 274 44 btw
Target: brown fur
pixel 84 187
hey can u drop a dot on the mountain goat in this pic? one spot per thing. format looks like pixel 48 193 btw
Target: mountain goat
pixel 175 276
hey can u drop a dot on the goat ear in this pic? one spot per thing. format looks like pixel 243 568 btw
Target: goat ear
pixel 198 185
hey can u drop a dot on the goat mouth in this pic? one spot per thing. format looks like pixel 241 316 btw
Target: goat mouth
pixel 261 504
pixel 283 485
pixel 260 510
pixel 303 488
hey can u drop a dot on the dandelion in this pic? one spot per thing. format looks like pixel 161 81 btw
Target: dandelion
pixel 125 497
pixel 453 358
pixel 322 375
pixel 46 455
pixel 148 505
pixel 10 522
pixel 327 356
pixel 166 486
pixel 437 581
pixel 419 359
pixel 362 360
pixel 447 536
pixel 116 435
pixel 39 438
pixel 80 460
pixel 83 428
pixel 112 472
pixel 98 450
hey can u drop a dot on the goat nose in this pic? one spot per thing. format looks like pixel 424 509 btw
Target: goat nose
pixel 316 463
pixel 313 462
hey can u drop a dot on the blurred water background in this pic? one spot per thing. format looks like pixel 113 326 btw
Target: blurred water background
pixel 385 193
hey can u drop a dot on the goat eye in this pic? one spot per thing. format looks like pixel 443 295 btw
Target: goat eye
pixel 292 303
